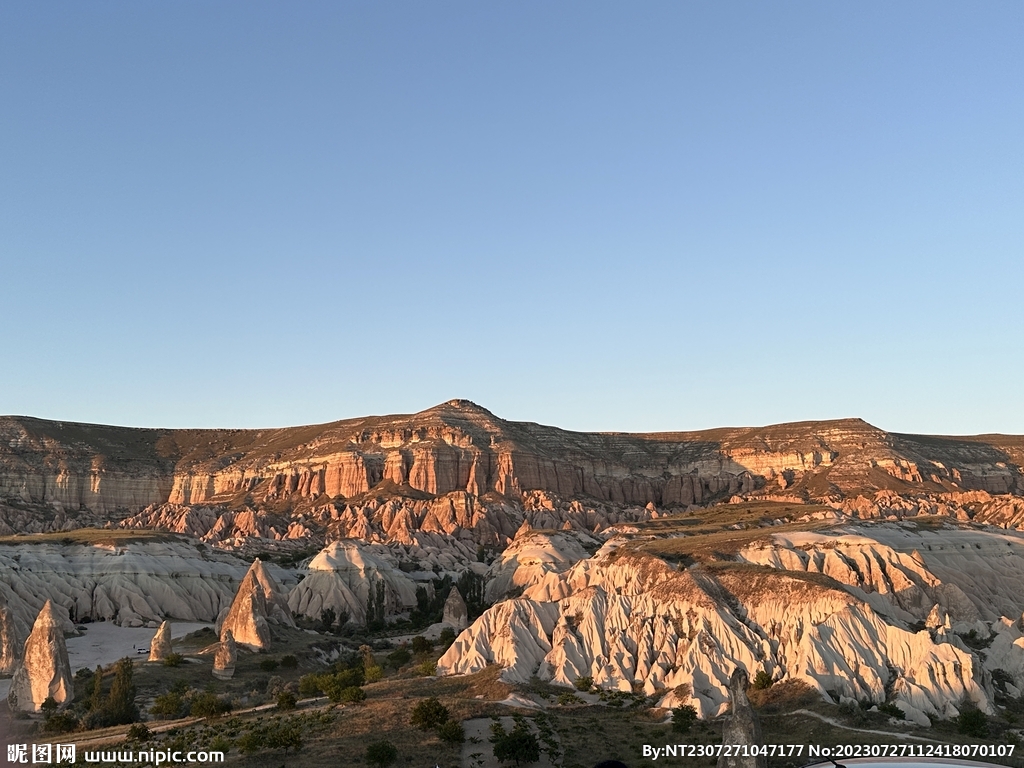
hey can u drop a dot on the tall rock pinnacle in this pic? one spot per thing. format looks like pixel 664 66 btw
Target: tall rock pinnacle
pixel 257 600
pixel 45 670
pixel 742 726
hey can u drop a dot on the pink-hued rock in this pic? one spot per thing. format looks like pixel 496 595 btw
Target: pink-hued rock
pixel 44 671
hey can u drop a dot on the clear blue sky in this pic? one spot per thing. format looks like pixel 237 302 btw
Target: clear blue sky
pixel 600 216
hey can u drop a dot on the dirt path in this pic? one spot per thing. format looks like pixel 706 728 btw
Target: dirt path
pixel 837 724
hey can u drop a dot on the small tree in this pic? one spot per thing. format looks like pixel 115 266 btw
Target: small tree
pixel 516 746
pixel 420 644
pixel 381 754
pixel 353 694
pixel 429 713
pixel 286 700
pixel 762 680
pixel 584 683
pixel 682 718
pixel 447 638
pixel 972 722
pixel 451 732
pixel 121 708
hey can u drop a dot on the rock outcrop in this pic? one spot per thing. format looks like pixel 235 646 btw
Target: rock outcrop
pixel 343 577
pixel 633 620
pixel 44 671
pixel 455 613
pixel 128 583
pixel 225 657
pixel 257 601
pixel 160 646
pixel 10 643
pixel 741 727
pixel 57 468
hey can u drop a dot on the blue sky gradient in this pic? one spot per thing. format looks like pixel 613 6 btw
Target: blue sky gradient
pixel 599 216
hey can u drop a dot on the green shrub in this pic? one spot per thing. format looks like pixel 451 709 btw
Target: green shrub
pixel 381 754
pixel 286 700
pixel 309 685
pixel 762 680
pixel 518 745
pixel 972 722
pixel 173 660
pixel 683 718
pixel 353 695
pixel 373 673
pixel 289 661
pixel 208 705
pixel 399 658
pixel 890 709
pixel 268 665
pixel 427 668
pixel 451 732
pixel 429 713
pixel 170 705
pixel 584 683
pixel 139 732
pixel 420 644
pixel 60 722
pixel 447 638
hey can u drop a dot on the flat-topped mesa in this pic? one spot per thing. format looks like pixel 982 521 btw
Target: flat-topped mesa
pixel 160 645
pixel 258 600
pixel 225 657
pixel 45 671
pixel 10 647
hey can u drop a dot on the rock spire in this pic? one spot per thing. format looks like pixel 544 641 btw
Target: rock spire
pixel 742 726
pixel 160 645
pixel 44 671
pixel 455 614
pixel 225 657
pixel 10 647
pixel 257 600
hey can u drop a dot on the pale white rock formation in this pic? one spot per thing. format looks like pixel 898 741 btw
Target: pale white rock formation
pixel 973 575
pixel 10 642
pixel 225 657
pixel 524 566
pixel 44 671
pixel 160 645
pixel 257 601
pixel 631 620
pixel 341 577
pixel 455 613
pixel 130 584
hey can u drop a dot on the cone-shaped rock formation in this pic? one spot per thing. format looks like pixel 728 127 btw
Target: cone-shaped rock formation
pixel 44 670
pixel 160 646
pixel 257 600
pixel 455 614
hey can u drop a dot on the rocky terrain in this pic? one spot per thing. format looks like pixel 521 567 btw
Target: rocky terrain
pixel 877 569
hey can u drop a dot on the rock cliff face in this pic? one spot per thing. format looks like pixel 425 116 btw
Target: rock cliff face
pixel 130 583
pixel 52 472
pixel 628 620
pixel 44 671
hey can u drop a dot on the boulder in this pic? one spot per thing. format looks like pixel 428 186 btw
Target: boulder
pixel 225 657
pixel 160 645
pixel 44 671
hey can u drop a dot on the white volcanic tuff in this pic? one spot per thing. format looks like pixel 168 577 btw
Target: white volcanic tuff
pixel 636 621
pixel 131 584
pixel 341 577
pixel 225 657
pixel 972 574
pixel 530 558
pixel 44 671
pixel 10 643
